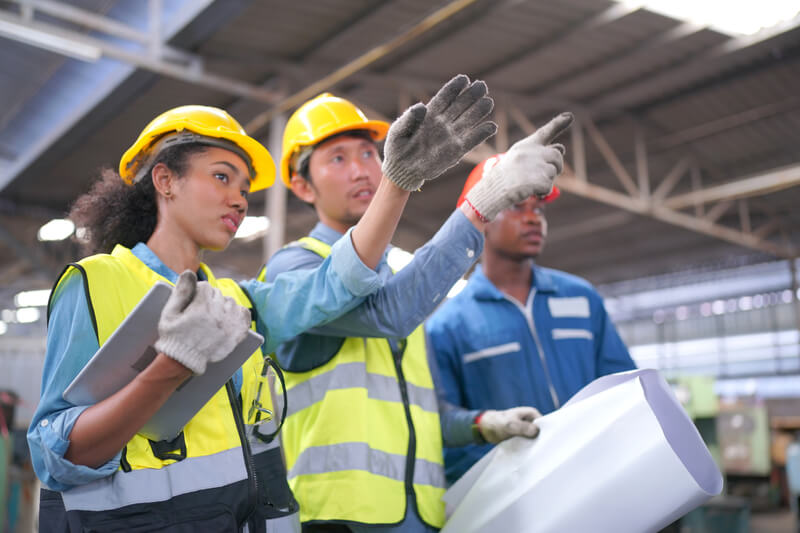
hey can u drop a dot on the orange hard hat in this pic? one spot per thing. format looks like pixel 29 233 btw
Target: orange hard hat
pixel 483 167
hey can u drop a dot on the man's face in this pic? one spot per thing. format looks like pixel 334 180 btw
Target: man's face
pixel 519 232
pixel 345 172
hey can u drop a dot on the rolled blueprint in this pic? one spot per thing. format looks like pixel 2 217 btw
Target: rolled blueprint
pixel 621 456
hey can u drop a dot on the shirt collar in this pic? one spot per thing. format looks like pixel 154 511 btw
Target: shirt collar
pixel 484 289
pixel 325 233
pixel 154 263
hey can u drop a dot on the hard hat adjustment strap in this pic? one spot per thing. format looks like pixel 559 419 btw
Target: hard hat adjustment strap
pixel 187 137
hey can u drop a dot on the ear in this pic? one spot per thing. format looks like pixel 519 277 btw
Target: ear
pixel 303 189
pixel 163 180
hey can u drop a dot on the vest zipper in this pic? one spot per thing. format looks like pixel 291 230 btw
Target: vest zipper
pixel 397 353
pixel 252 489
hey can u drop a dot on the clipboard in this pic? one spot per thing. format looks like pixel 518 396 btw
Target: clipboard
pixel 130 349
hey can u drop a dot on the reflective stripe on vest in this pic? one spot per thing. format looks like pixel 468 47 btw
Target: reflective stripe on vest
pixel 347 435
pixel 154 485
pixel 355 374
pixel 214 456
pixel 359 456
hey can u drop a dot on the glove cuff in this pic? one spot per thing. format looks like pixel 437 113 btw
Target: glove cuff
pixel 477 435
pixel 400 176
pixel 485 200
pixel 186 355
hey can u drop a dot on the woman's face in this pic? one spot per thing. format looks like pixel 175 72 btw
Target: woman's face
pixel 210 200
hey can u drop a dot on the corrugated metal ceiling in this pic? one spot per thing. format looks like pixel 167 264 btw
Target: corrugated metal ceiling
pixel 728 105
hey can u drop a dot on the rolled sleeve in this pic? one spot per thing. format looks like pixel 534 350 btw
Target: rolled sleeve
pixel 459 241
pixel 357 277
pixel 296 301
pixel 51 435
pixel 406 299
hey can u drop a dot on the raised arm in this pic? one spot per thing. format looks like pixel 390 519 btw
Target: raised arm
pixel 422 143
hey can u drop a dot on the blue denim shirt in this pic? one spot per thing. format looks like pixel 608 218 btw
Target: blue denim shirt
pixel 394 311
pixel 285 307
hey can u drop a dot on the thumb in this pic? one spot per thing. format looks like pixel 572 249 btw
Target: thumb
pixel 558 125
pixel 182 294
pixel 409 121
pixel 523 421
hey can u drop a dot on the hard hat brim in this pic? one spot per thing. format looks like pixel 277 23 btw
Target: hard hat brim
pixel 260 158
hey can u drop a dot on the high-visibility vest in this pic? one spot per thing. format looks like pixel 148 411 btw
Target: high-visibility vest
pixel 207 477
pixel 363 432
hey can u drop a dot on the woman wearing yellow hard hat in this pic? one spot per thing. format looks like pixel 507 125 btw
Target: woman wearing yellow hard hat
pixel 181 189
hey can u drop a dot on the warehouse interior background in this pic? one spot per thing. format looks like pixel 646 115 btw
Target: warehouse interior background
pixel 678 203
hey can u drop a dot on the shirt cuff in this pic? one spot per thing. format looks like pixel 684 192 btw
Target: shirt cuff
pixel 357 277
pixel 64 474
pixel 459 241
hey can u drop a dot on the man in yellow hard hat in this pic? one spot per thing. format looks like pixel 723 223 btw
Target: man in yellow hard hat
pixel 363 438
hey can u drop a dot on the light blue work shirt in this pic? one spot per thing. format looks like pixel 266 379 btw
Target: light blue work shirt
pixel 394 311
pixel 285 307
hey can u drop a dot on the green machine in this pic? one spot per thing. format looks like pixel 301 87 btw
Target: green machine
pixel 714 421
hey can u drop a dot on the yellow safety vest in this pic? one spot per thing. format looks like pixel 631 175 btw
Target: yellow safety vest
pixel 363 431
pixel 205 476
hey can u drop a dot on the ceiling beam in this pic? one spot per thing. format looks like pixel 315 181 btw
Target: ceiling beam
pixel 634 202
pixel 191 72
pixel 569 183
pixel 756 185
pixel 96 82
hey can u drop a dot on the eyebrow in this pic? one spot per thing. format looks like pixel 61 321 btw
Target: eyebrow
pixel 339 148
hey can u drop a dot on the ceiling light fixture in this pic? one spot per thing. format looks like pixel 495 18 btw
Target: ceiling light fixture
pixel 731 18
pixel 57 229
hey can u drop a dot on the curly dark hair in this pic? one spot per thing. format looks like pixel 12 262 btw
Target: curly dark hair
pixel 113 212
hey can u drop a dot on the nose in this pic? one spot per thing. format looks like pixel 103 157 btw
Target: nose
pixel 532 215
pixel 238 201
pixel 358 169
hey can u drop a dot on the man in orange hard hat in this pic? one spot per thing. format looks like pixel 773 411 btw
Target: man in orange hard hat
pixel 519 334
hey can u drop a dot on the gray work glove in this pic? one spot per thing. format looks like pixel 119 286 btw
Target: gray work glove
pixel 199 325
pixel 529 167
pixel 427 139
pixel 497 426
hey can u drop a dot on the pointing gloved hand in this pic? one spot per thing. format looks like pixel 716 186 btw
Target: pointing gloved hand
pixel 427 139
pixel 199 325
pixel 529 167
pixel 497 426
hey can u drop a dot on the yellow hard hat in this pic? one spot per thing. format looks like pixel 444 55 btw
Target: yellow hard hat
pixel 212 126
pixel 318 119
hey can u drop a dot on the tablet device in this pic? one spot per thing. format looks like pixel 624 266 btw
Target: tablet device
pixel 130 349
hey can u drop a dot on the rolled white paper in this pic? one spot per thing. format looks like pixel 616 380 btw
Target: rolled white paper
pixel 621 456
